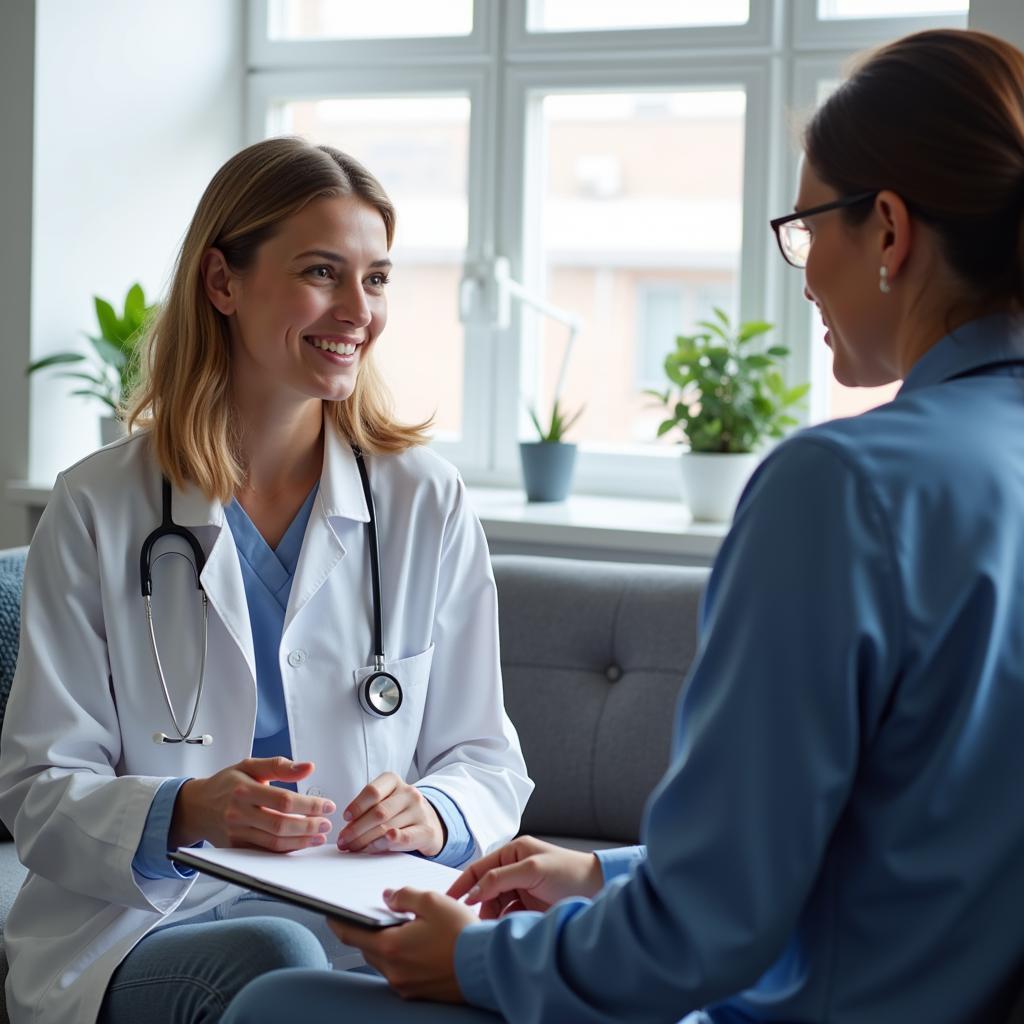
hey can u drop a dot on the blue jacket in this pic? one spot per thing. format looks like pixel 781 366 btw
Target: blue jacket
pixel 840 833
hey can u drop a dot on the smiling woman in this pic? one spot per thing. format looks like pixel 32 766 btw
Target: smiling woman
pixel 335 598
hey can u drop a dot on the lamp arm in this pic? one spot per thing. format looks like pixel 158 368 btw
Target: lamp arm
pixel 527 298
pixel 571 320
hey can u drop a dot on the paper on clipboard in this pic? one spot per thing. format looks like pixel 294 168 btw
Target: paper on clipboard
pixel 324 878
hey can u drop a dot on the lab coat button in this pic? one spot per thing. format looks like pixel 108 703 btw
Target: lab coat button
pixel 613 673
pixel 314 792
pixel 297 658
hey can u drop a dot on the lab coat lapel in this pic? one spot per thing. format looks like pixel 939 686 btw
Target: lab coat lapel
pixel 222 574
pixel 340 496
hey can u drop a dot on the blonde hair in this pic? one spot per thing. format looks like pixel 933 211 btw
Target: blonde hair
pixel 183 397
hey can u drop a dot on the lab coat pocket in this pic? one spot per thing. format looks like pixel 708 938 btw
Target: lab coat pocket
pixel 391 742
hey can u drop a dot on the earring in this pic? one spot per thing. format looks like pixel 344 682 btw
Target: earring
pixel 883 280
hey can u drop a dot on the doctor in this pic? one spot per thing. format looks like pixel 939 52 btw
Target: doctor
pixel 250 710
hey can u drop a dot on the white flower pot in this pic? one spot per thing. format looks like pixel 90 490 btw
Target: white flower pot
pixel 712 482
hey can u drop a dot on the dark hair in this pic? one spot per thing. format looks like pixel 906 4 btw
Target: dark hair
pixel 938 118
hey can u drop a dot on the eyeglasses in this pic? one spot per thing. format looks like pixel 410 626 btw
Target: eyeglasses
pixel 793 235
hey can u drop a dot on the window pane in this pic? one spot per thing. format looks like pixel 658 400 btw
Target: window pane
pixel 888 8
pixel 418 148
pixel 583 15
pixel 640 234
pixel 329 19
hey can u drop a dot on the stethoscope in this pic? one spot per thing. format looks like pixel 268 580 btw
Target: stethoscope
pixel 380 693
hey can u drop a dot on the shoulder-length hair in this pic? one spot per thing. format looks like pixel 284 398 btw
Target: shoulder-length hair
pixel 184 393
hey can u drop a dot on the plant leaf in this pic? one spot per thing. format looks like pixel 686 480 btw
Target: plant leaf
pixel 110 325
pixel 91 393
pixel 57 359
pixel 109 352
pixel 134 307
pixel 665 426
pixel 536 422
pixel 752 329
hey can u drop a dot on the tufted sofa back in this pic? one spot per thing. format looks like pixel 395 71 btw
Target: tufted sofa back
pixel 593 657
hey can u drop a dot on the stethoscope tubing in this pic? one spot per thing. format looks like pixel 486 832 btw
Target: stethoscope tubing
pixel 380 693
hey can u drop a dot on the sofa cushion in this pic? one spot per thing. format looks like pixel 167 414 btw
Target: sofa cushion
pixel 12 570
pixel 593 657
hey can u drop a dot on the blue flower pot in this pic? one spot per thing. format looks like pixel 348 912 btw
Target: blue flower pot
pixel 547 469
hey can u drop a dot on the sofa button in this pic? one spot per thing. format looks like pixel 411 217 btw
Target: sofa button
pixel 613 673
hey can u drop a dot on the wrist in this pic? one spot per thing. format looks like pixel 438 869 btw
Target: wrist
pixel 183 830
pixel 594 879
pixel 439 830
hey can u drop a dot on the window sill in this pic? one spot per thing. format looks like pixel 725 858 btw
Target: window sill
pixel 586 526
pixel 583 526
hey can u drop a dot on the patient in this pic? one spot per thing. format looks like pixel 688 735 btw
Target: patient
pixel 839 834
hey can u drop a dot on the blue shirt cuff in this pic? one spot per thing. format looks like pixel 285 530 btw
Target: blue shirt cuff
pixel 619 860
pixel 150 859
pixel 471 965
pixel 459 846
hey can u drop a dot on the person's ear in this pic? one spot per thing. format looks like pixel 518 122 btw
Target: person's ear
pixel 895 231
pixel 219 283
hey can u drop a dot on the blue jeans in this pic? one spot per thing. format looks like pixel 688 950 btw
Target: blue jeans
pixel 188 973
pixel 348 996
pixel 339 996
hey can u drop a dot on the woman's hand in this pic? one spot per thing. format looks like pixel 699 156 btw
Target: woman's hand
pixel 239 807
pixel 389 814
pixel 527 874
pixel 417 958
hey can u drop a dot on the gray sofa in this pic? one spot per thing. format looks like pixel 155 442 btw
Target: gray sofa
pixel 593 656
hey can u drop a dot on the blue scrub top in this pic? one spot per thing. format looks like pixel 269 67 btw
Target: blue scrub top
pixel 267 575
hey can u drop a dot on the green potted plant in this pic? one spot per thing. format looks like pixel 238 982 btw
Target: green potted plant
pixel 548 462
pixel 109 372
pixel 726 397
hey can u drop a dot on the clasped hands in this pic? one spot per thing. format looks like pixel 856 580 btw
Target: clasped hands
pixel 237 807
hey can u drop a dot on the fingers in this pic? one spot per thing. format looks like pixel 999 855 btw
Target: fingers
pixel 412 901
pixel 284 800
pixel 393 811
pixel 511 852
pixel 257 838
pixel 397 833
pixel 521 875
pixel 371 794
pixel 275 769
pixel 473 873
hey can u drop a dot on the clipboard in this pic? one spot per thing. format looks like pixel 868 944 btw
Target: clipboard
pixel 346 886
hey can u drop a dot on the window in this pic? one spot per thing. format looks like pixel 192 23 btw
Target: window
pixel 576 15
pixel 328 19
pixel 637 185
pixel 623 158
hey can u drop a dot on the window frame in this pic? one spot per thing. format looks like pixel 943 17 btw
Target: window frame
pixel 777 57
pixel 267 53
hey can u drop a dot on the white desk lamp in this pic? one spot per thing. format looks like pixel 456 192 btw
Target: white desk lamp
pixel 485 300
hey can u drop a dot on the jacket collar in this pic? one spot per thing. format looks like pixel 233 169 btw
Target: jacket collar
pixel 989 341
pixel 340 494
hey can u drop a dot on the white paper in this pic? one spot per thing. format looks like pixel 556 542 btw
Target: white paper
pixel 349 881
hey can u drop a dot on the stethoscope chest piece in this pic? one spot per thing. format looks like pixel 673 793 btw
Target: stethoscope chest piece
pixel 380 694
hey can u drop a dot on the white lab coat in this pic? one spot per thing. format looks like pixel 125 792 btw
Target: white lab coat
pixel 79 767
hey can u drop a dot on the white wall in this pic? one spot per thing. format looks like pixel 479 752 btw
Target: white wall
pixel 17 51
pixel 137 102
pixel 1003 18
